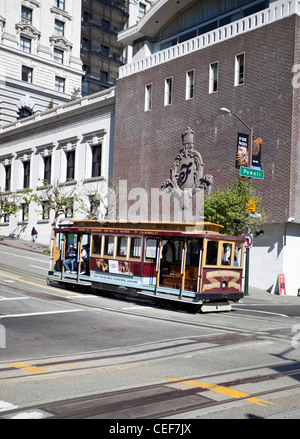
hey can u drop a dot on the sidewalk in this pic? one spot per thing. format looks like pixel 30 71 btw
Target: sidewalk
pixel 26 245
pixel 256 295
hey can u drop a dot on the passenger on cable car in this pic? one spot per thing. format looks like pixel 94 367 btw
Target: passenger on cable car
pixel 168 255
pixel 70 259
pixel 84 259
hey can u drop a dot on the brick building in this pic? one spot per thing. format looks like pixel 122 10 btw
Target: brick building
pixel 245 58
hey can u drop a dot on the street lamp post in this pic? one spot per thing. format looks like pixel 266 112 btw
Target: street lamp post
pixel 250 128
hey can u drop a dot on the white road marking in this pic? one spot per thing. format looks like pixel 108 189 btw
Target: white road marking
pixel 29 415
pixel 40 268
pixel 26 257
pixel 262 312
pixel 7 406
pixel 13 298
pixel 40 313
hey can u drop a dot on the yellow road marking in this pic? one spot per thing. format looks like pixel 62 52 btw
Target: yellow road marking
pixel 224 390
pixel 38 285
pixel 27 367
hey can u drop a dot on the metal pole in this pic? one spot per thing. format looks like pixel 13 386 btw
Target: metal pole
pixel 250 128
pixel 247 272
pixel 247 262
pixel 250 148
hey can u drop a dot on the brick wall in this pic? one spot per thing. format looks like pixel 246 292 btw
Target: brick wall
pixel 146 143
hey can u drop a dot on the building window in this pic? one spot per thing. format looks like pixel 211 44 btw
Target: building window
pixel 58 56
pixel 7 170
pixel 213 77
pixel 59 84
pixel 27 74
pixel 239 69
pixel 148 97
pixel 26 15
pixel 69 210
pixel 190 80
pixel 142 9
pixel 96 164
pixel 60 4
pixel 45 211
pixel 59 28
pixel 168 91
pixel 25 44
pixel 70 165
pixel 47 169
pixel 93 209
pixel 26 179
pixel 25 212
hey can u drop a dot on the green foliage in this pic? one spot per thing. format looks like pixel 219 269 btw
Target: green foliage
pixel 228 207
pixel 57 198
pixel 11 202
pixel 75 93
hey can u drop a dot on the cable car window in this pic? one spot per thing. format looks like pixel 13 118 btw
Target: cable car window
pixel 86 240
pixel 72 239
pixel 122 246
pixel 193 251
pixel 238 251
pixel 109 245
pixel 212 253
pixel 226 253
pixel 96 245
pixel 151 245
pixel 59 239
pixel 135 248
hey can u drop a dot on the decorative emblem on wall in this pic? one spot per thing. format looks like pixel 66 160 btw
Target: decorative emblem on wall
pixel 186 174
pixel 24 112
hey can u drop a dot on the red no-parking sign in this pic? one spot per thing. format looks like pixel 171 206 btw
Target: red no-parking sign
pixel 249 239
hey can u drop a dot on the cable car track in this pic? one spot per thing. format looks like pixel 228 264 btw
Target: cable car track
pixel 142 313
pixel 158 401
pixel 108 405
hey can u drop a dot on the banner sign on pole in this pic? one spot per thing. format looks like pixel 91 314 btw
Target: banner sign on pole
pixel 242 157
pixel 242 150
pixel 256 152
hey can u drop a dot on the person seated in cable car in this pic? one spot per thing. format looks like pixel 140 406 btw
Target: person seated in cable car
pixel 70 260
pixel 84 259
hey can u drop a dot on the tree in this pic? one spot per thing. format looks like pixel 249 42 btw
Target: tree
pixel 228 207
pixel 75 93
pixel 93 200
pixel 11 202
pixel 57 198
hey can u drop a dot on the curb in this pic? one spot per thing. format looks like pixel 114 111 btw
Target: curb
pixel 23 248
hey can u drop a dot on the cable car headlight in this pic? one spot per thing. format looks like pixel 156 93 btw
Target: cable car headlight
pixel 224 285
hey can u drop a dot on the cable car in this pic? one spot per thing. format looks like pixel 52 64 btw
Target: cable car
pixel 190 263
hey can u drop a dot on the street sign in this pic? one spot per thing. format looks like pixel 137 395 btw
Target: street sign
pixel 251 206
pixel 249 239
pixel 251 172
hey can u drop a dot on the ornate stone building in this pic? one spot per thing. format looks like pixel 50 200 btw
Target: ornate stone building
pixel 40 63
pixel 69 144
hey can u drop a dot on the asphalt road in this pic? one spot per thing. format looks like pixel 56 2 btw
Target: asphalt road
pixel 72 355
